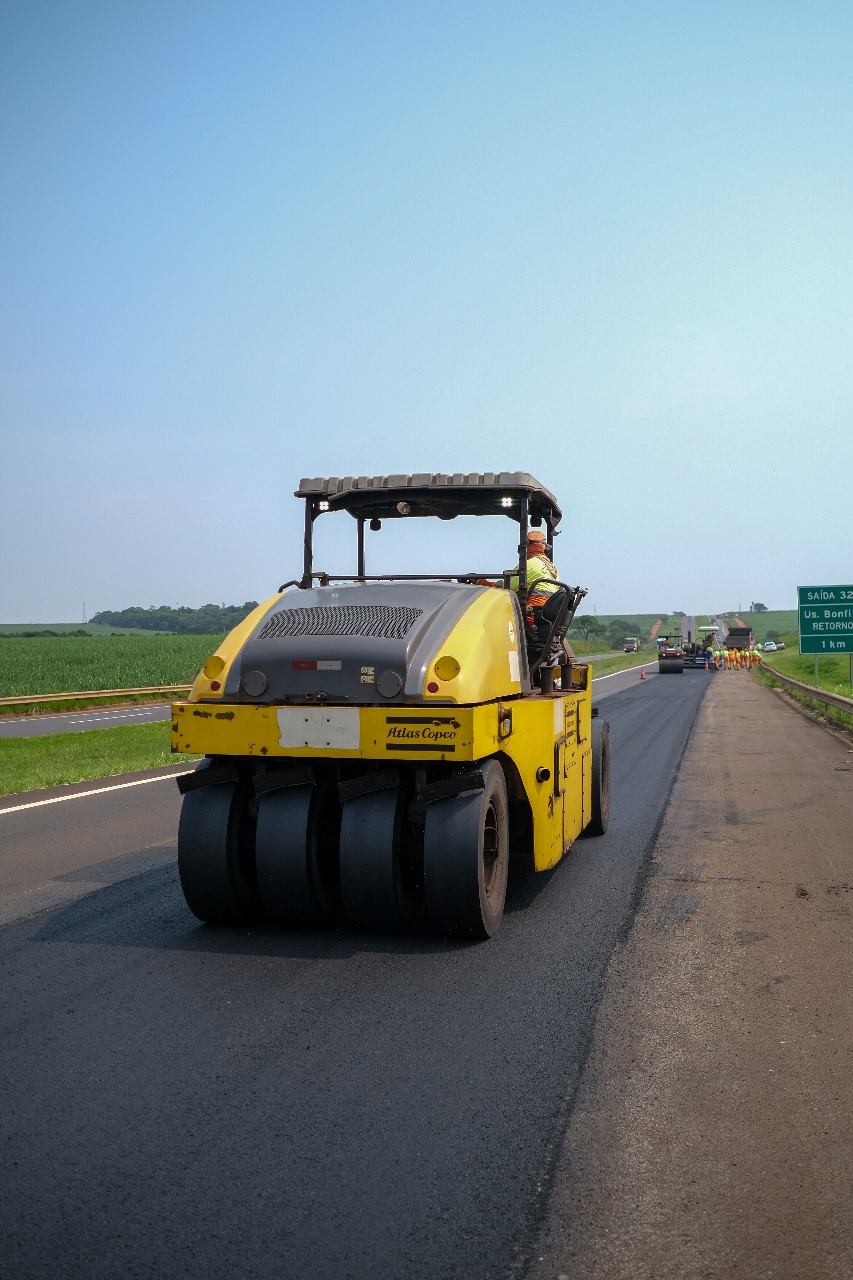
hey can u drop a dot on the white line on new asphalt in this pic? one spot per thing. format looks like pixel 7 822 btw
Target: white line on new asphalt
pixel 97 791
pixel 595 679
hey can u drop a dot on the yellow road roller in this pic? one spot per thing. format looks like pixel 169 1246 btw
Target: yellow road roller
pixel 670 656
pixel 379 747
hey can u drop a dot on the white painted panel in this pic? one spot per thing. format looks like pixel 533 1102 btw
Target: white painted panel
pixel 514 671
pixel 319 727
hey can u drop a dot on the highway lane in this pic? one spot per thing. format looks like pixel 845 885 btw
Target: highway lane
pixel 77 721
pixel 219 1103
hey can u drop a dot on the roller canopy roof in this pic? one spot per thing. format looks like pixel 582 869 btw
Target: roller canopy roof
pixel 435 494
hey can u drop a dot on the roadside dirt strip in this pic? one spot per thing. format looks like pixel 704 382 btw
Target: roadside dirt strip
pixel 712 1134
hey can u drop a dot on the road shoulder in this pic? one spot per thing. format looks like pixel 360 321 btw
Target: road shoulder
pixel 712 1134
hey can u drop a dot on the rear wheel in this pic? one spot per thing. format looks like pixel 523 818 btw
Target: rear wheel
pixel 295 854
pixel 373 884
pixel 466 859
pixel 598 823
pixel 216 854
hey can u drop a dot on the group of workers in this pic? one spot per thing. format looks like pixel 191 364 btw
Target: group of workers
pixel 732 659
pixel 739 659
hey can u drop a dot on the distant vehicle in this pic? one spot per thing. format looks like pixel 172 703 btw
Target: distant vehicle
pixel 780 644
pixel 770 646
pixel 632 644
pixel 739 638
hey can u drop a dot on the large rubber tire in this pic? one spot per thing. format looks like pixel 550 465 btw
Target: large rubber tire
pixel 216 854
pixel 373 887
pixel 295 855
pixel 466 859
pixel 600 819
pixel 671 666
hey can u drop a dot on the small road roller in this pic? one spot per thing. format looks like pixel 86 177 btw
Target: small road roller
pixel 670 656
pixel 379 747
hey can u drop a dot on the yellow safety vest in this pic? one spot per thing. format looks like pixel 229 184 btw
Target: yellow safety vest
pixel 538 567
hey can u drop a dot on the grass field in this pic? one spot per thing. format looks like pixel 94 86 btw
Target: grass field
pixel 833 672
pixel 783 621
pixel 64 664
pixel 64 628
pixel 640 622
pixel 27 764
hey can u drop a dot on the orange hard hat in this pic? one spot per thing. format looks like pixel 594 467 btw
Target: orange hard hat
pixel 536 535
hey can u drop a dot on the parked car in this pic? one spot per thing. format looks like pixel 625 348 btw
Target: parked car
pixel 770 646
pixel 780 644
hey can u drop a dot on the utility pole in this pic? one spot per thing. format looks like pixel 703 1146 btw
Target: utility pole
pixel 84 613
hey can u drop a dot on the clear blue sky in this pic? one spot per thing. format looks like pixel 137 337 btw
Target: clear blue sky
pixel 610 244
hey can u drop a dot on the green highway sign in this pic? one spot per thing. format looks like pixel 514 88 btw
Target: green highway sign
pixel 826 619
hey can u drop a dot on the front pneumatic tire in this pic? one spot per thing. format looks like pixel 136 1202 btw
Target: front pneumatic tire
pixel 216 854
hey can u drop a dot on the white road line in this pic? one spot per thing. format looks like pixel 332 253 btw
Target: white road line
pixel 595 679
pixel 98 791
pixel 129 715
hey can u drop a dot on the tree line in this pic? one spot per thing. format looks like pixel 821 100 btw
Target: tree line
pixel 208 620
pixel 612 633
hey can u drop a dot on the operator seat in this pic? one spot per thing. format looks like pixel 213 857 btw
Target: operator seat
pixel 537 633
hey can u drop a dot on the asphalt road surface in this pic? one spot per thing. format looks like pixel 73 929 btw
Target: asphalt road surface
pixel 76 721
pixel 190 1101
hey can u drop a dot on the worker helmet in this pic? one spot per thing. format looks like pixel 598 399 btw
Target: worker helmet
pixel 536 535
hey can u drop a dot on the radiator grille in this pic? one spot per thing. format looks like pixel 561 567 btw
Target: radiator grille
pixel 390 621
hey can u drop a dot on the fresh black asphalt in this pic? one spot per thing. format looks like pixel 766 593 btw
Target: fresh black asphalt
pixel 188 1101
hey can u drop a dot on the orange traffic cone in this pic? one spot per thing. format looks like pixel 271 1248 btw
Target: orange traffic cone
pixel 707 668
pixel 642 673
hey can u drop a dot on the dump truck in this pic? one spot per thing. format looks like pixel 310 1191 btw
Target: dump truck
pixel 378 747
pixel 739 638
pixel 670 655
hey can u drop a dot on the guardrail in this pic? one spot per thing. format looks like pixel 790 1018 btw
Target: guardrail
pixel 92 693
pixel 820 695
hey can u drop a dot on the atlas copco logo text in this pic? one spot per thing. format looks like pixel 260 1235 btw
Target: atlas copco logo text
pixel 411 728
